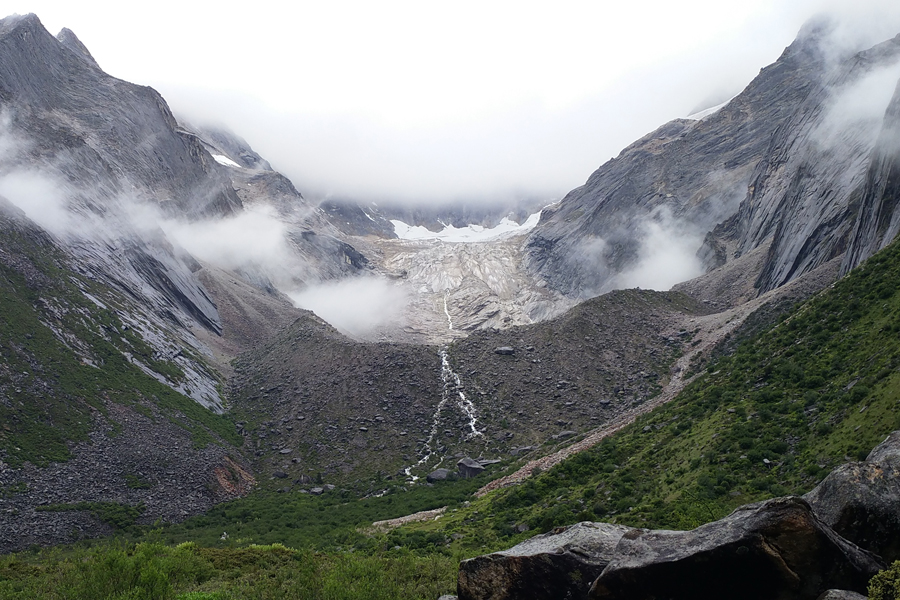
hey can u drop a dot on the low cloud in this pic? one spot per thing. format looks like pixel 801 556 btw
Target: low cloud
pixel 254 239
pixel 42 199
pixel 667 255
pixel 857 108
pixel 357 306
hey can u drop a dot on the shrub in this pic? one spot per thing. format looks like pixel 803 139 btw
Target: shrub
pixel 886 584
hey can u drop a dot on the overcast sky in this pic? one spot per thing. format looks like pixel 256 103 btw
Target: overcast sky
pixel 425 101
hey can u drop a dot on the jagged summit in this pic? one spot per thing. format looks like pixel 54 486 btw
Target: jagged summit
pixel 68 39
pixel 16 21
pixel 101 125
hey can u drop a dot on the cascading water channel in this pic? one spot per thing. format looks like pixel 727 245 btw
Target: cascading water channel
pixel 453 383
pixel 452 391
pixel 447 312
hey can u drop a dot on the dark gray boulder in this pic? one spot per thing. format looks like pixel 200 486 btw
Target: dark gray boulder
pixel 841 595
pixel 560 564
pixel 469 467
pixel 438 475
pixel 860 500
pixel 504 351
pixel 772 550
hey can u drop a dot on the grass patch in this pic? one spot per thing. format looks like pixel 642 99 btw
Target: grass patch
pixel 155 571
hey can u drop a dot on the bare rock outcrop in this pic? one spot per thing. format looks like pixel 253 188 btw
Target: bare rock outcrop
pixel 841 595
pixel 774 550
pixel 560 564
pixel 859 500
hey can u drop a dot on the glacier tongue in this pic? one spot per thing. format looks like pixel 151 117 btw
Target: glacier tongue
pixel 455 288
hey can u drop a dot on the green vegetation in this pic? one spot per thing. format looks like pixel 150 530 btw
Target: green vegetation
pixel 337 520
pixel 153 571
pixel 62 357
pixel 886 584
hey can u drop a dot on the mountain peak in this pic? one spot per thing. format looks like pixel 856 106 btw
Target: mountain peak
pixel 68 39
pixel 14 22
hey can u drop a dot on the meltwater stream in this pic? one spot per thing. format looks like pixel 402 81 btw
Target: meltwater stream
pixel 452 394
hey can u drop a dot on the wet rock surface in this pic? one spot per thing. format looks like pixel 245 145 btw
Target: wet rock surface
pixel 777 166
pixel 805 192
pixel 686 171
pixel 878 224
pixel 559 564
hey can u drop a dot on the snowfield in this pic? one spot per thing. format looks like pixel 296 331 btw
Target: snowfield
pixel 224 160
pixel 470 233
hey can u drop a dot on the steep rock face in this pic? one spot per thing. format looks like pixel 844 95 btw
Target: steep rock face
pixel 787 164
pixel 805 193
pixel 68 39
pixel 223 143
pixel 879 219
pixel 560 564
pixel 315 249
pixel 695 171
pixel 103 147
pixel 109 162
pixel 859 500
pixel 775 550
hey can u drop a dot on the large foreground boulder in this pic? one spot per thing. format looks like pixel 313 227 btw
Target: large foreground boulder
pixel 861 500
pixel 772 550
pixel 556 565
